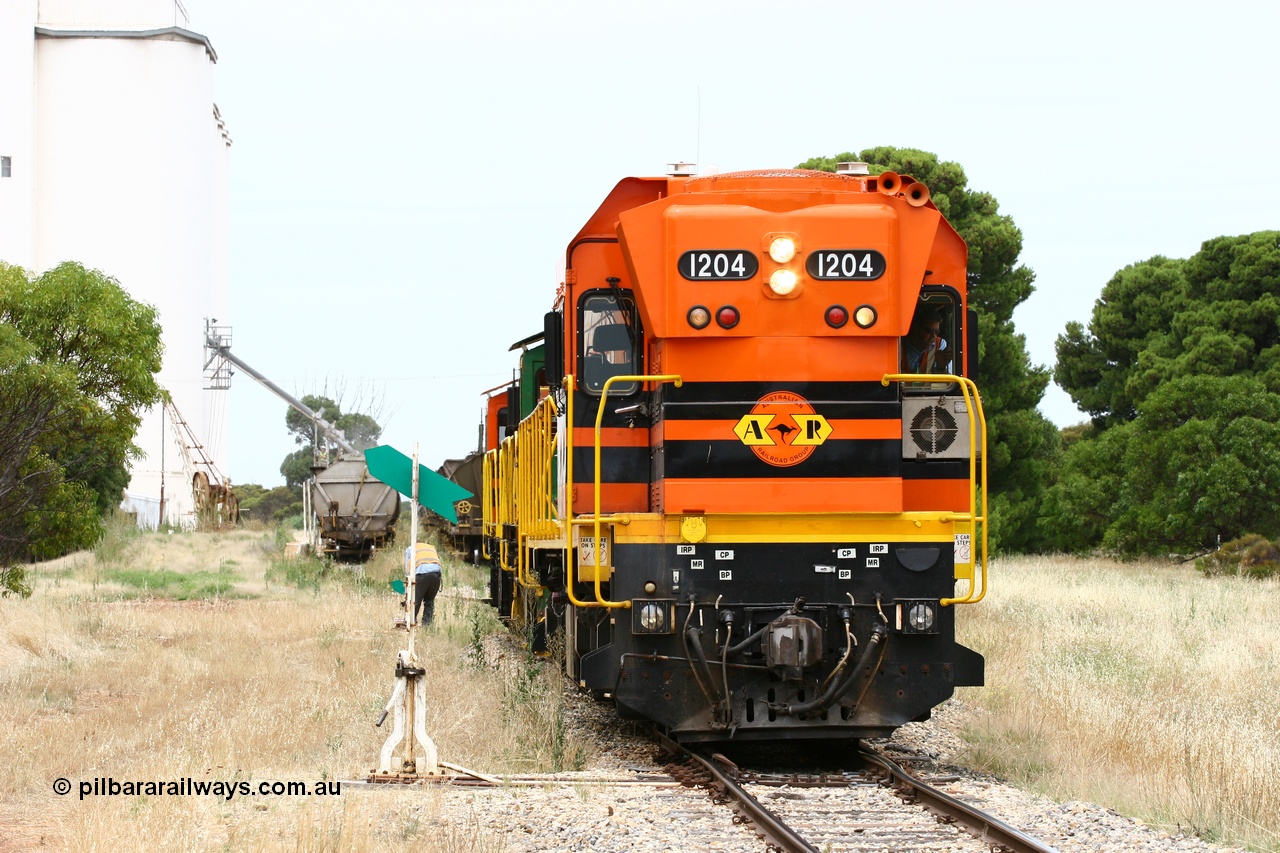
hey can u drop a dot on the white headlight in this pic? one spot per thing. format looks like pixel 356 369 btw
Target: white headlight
pixel 782 282
pixel 651 617
pixel 782 249
pixel 921 617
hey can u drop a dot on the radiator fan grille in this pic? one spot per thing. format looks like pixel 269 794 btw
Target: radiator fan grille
pixel 933 429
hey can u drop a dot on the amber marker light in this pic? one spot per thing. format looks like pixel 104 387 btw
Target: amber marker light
pixel 727 317
pixel 782 249
pixel 837 316
pixel 699 317
pixel 782 282
pixel 865 316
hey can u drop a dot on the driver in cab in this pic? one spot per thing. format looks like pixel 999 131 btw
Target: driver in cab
pixel 924 350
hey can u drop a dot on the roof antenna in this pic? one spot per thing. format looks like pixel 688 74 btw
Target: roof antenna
pixel 697 149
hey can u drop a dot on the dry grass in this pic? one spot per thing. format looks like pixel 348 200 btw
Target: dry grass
pixel 279 677
pixel 1145 687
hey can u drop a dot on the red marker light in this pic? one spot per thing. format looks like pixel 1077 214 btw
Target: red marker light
pixel 727 317
pixel 837 316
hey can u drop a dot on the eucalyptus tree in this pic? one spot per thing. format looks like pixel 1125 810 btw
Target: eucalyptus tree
pixel 78 364
pixel 1022 443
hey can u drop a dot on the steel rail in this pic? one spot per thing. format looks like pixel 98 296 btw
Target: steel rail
pixel 775 831
pixel 981 824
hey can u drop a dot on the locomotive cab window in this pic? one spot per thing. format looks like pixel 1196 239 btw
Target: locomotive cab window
pixel 606 347
pixel 933 343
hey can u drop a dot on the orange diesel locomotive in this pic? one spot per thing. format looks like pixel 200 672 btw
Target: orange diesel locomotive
pixel 744 486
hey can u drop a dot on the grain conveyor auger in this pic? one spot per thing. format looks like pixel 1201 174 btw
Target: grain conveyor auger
pixel 218 345
pixel 355 513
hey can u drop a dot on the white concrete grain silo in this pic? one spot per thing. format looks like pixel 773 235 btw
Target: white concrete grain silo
pixel 113 154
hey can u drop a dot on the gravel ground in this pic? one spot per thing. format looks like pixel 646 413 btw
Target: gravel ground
pixel 595 817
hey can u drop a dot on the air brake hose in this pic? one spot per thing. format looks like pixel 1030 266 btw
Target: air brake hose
pixel 838 670
pixel 836 691
pixel 697 676
pixel 724 672
pixel 753 638
pixel 694 639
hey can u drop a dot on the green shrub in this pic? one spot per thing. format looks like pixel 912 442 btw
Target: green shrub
pixel 312 572
pixel 1251 556
pixel 13 581
pixel 303 572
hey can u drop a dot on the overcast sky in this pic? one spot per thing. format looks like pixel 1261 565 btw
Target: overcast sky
pixel 405 176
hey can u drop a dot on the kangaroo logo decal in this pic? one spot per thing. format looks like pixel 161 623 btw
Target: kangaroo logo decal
pixel 782 429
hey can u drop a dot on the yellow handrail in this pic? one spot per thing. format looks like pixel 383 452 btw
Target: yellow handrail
pixel 568 481
pixel 536 443
pixel 535 450
pixel 568 486
pixel 507 507
pixel 973 408
pixel 488 502
pixel 604 395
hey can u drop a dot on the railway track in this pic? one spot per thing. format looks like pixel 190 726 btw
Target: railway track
pixel 629 800
pixel 878 806
pixel 874 806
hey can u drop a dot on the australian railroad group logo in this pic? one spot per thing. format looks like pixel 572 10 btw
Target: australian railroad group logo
pixel 782 429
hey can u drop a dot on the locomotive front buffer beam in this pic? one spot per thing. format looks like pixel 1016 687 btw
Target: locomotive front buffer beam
pixel 821 670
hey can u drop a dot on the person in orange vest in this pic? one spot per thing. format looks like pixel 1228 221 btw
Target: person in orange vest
pixel 427 575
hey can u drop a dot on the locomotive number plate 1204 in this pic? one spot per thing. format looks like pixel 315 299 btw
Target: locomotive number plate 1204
pixel 845 265
pixel 718 265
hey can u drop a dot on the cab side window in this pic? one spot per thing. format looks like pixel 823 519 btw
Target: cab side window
pixel 606 345
pixel 933 344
